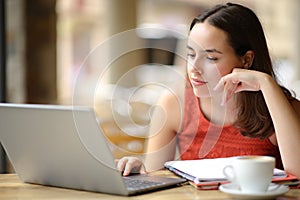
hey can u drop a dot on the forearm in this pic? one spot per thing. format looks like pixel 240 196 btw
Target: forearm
pixel 286 123
pixel 155 159
pixel 161 144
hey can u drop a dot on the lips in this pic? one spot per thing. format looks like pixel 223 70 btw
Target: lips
pixel 197 82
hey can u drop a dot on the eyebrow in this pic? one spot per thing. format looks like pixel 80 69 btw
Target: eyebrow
pixel 207 50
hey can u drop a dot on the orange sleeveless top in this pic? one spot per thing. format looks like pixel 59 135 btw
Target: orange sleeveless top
pixel 201 139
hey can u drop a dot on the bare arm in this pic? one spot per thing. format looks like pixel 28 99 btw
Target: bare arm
pixel 287 124
pixel 165 123
pixel 161 143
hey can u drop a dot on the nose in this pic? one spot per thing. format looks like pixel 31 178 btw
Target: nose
pixel 196 66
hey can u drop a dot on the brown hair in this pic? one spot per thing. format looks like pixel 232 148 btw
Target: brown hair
pixel 244 32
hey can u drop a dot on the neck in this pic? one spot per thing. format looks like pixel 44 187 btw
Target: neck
pixel 217 113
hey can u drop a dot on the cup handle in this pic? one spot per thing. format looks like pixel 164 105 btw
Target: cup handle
pixel 228 171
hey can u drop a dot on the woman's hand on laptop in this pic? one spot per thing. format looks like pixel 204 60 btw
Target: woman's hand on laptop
pixel 129 164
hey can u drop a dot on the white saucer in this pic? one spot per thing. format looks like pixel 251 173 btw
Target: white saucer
pixel 274 190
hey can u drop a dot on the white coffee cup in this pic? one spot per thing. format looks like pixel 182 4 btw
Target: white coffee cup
pixel 253 174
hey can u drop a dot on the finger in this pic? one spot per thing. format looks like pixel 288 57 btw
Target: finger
pixel 238 70
pixel 220 85
pixel 224 80
pixel 128 167
pixel 229 90
pixel 143 170
pixel 121 164
pixel 223 101
pixel 240 88
pixel 126 171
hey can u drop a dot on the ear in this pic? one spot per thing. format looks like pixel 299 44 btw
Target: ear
pixel 247 59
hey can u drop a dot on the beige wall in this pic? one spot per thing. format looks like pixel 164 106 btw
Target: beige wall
pixel 280 19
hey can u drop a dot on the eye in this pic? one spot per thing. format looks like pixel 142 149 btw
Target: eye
pixel 191 55
pixel 212 58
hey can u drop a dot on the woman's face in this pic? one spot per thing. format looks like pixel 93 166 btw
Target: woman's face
pixel 210 57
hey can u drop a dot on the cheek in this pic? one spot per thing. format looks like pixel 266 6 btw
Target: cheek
pixel 224 70
pixel 214 72
pixel 227 65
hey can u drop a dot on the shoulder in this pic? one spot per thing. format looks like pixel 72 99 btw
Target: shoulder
pixel 171 103
pixel 172 107
pixel 168 99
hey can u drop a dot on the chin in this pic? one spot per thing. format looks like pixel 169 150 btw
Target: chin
pixel 202 93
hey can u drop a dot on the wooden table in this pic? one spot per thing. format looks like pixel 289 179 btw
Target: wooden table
pixel 12 188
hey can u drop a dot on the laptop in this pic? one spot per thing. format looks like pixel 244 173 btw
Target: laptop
pixel 63 146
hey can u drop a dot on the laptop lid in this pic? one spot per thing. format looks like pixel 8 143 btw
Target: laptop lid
pixel 61 146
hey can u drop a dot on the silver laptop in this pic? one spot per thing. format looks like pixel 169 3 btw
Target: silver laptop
pixel 63 146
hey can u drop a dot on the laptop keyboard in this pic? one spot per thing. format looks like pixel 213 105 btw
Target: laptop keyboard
pixel 136 184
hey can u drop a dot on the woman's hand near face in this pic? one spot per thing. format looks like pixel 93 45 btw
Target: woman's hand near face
pixel 285 115
pixel 239 80
pixel 128 165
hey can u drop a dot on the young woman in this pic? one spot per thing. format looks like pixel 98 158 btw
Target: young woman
pixel 233 104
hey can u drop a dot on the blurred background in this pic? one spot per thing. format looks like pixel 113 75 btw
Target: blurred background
pixel 119 56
